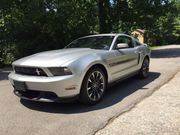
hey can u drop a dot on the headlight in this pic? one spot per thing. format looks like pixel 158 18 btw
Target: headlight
pixel 60 71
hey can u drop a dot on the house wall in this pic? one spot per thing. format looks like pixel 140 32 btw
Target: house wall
pixel 138 35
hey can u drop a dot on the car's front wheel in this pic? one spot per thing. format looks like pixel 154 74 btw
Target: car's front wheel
pixel 93 86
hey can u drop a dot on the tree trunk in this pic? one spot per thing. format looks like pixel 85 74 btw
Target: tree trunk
pixel 104 22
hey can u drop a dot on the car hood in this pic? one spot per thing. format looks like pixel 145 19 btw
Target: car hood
pixel 55 58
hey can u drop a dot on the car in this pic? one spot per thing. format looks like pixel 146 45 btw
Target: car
pixel 82 70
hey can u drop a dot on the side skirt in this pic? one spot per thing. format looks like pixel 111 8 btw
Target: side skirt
pixel 122 78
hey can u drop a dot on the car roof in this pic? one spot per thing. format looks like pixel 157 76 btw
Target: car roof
pixel 110 34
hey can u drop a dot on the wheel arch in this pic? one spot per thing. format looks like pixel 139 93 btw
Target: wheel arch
pixel 147 56
pixel 101 66
pixel 83 95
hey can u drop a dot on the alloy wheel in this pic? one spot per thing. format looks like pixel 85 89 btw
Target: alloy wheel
pixel 95 86
pixel 145 68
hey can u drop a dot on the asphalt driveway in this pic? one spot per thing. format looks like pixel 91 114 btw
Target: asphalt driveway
pixel 158 114
pixel 34 118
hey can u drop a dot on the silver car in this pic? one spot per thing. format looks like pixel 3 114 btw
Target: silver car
pixel 83 69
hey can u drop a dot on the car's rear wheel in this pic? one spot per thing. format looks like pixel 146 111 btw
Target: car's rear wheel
pixel 93 86
pixel 144 71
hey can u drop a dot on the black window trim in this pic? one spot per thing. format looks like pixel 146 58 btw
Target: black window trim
pixel 115 44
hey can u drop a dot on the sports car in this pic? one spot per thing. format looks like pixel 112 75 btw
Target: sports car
pixel 82 70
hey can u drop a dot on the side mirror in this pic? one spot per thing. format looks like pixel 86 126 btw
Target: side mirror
pixel 122 45
pixel 145 45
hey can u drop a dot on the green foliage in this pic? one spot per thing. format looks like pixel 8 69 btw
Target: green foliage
pixel 158 17
pixel 7 53
pixel 39 25
pixel 31 26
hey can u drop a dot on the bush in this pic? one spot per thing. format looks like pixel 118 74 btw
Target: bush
pixel 7 54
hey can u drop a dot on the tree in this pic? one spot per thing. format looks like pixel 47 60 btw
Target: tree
pixel 31 26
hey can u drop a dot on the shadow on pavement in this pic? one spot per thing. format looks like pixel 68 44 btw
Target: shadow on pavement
pixel 113 95
pixel 166 53
pixel 4 74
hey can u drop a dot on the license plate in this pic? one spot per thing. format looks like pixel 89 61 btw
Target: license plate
pixel 21 86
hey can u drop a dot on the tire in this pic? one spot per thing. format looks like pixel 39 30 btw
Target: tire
pixel 93 86
pixel 144 71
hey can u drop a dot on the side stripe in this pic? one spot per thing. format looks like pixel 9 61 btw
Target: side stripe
pixel 121 62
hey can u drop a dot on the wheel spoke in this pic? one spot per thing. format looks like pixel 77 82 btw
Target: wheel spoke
pixel 91 94
pixel 101 90
pixel 89 80
pixel 93 77
pixel 88 88
pixel 98 95
pixel 94 95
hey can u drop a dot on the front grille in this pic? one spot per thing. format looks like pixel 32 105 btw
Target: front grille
pixel 29 71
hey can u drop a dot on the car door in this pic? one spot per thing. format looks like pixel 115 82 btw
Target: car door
pixel 125 60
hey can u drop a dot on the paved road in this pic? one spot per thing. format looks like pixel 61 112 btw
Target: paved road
pixel 24 117
pixel 158 114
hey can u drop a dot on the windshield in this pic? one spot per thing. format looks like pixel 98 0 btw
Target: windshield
pixel 95 42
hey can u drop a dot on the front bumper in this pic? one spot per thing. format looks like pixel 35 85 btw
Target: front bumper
pixel 43 96
pixel 48 89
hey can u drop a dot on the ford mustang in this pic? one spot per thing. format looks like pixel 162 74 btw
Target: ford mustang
pixel 82 70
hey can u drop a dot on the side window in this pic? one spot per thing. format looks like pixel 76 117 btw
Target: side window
pixel 124 39
pixel 137 43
